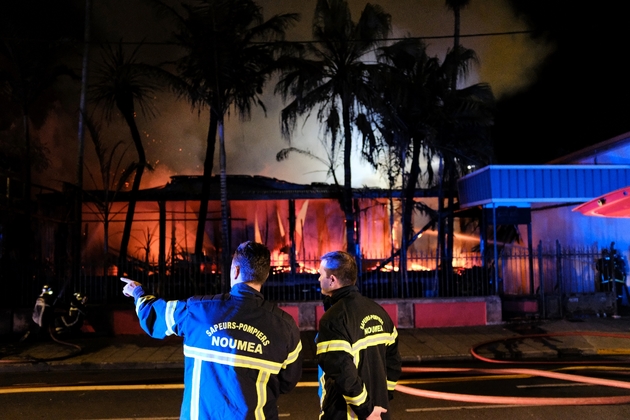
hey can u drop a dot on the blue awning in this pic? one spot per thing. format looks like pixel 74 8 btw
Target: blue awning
pixel 522 185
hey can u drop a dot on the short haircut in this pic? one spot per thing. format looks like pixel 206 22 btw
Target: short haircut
pixel 254 261
pixel 342 265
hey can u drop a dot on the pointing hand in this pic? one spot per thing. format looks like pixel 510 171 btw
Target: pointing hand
pixel 129 287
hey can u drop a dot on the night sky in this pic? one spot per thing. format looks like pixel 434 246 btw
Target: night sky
pixel 582 92
pixel 560 88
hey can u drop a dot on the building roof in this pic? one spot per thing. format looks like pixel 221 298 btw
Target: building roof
pixel 522 185
pixel 250 187
pixel 594 150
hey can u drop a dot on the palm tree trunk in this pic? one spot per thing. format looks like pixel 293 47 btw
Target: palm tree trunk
pixel 225 215
pixel 440 239
pixel 142 162
pixel 205 186
pixel 347 178
pixel 408 205
pixel 450 232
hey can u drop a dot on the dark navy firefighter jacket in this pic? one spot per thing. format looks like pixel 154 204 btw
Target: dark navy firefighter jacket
pixel 241 352
pixel 357 352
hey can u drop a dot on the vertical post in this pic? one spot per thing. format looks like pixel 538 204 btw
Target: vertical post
pixel 496 250
pixel 483 238
pixel 78 210
pixel 357 228
pixel 531 258
pixel 226 248
pixel 541 281
pixel 292 221
pixel 162 247
pixel 559 284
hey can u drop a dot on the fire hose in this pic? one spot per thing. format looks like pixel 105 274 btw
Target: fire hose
pixel 76 350
pixel 488 399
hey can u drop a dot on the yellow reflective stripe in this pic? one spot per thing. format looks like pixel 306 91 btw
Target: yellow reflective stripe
pixel 391 385
pixel 322 387
pixel 292 357
pixel 194 392
pixel 141 300
pixel 169 316
pixel 334 345
pixel 261 391
pixel 350 413
pixel 394 336
pixel 371 340
pixel 230 359
pixel 359 399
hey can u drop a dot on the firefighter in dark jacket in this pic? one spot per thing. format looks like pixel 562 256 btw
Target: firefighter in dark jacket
pixel 241 352
pixel 357 346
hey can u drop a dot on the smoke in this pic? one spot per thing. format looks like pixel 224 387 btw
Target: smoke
pixel 175 140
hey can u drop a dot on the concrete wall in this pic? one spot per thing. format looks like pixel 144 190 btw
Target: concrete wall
pixel 416 313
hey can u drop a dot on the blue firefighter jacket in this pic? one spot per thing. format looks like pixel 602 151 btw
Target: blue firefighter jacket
pixel 241 352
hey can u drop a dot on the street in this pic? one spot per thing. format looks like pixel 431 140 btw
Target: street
pixel 156 394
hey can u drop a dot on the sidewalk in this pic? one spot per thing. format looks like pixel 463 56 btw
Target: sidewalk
pixel 416 346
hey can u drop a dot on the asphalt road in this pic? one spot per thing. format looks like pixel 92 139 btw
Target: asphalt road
pixel 156 394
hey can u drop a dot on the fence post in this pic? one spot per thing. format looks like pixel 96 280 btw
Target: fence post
pixel 530 259
pixel 292 251
pixel 559 285
pixel 496 253
pixel 541 281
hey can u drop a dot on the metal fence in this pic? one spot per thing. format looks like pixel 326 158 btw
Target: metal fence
pixel 557 270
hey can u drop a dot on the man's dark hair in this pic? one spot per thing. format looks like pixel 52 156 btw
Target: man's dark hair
pixel 343 266
pixel 254 260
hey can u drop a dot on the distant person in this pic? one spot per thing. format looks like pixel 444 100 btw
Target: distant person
pixel 241 352
pixel 357 346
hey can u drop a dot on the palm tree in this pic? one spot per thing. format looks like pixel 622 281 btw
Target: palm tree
pixel 463 140
pixel 456 6
pixel 125 84
pixel 229 54
pixel 446 246
pixel 110 179
pixel 421 117
pixel 331 76
pixel 412 86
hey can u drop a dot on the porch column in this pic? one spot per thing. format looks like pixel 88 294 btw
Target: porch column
pixel 162 246
pixel 292 257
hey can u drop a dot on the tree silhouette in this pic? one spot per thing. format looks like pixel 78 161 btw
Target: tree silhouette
pixel 125 84
pixel 229 54
pixel 330 75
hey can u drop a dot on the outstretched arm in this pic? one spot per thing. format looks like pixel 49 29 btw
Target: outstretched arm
pixel 158 318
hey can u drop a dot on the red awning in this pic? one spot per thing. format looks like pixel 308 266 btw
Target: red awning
pixel 613 204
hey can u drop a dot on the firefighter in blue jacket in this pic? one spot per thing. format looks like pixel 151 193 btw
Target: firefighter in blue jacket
pixel 241 352
pixel 357 346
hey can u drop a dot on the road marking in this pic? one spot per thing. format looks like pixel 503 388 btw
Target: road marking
pixel 43 388
pixel 142 418
pixel 90 388
pixel 307 385
pixel 33 388
pixel 610 352
pixel 170 418
pixel 464 407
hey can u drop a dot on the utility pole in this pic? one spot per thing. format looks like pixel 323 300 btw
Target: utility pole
pixel 77 239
